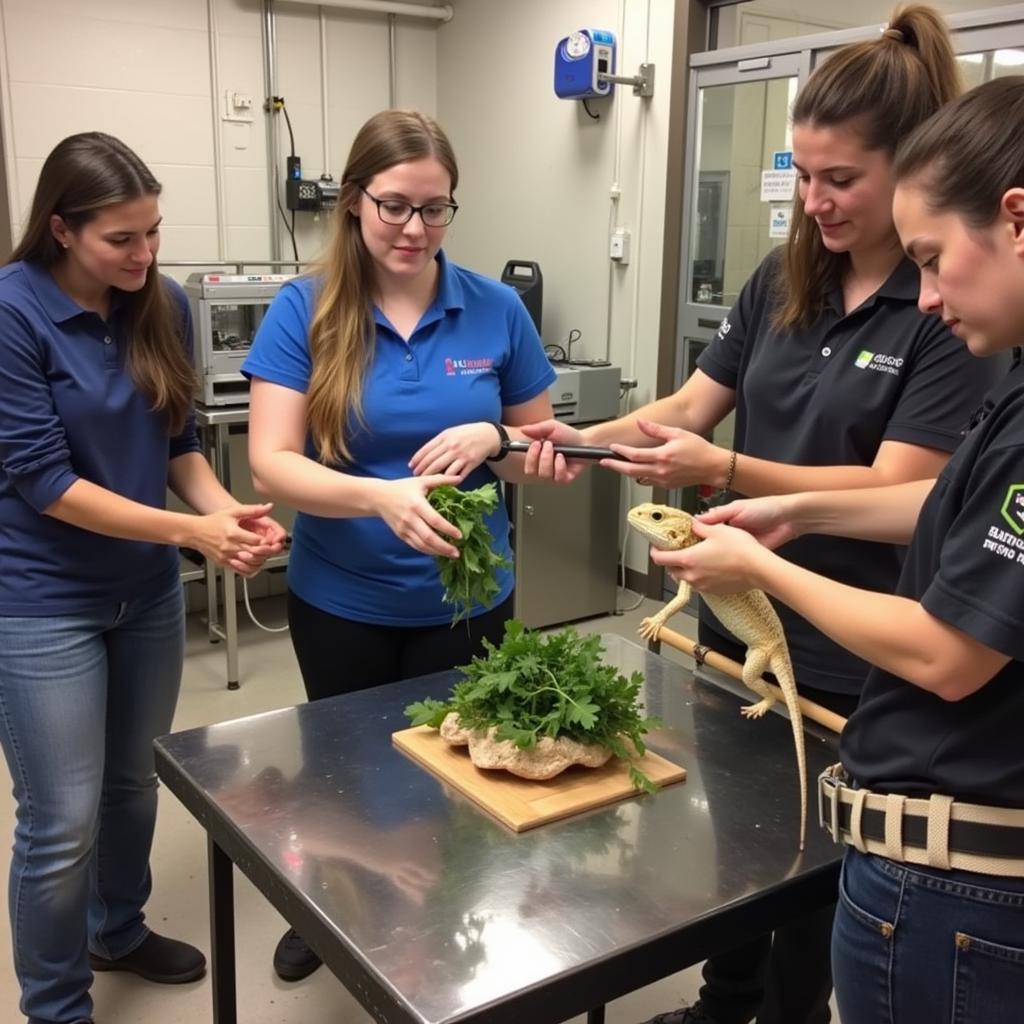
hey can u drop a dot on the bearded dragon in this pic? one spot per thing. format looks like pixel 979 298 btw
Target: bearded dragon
pixel 748 616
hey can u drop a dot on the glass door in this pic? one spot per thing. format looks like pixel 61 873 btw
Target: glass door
pixel 741 193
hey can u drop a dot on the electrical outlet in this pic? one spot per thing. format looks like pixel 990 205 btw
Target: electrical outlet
pixel 618 249
pixel 237 106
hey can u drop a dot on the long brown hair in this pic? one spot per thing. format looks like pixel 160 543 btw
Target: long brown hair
pixel 84 174
pixel 883 88
pixel 341 335
pixel 967 157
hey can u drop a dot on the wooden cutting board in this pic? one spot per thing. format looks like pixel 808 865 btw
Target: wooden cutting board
pixel 522 804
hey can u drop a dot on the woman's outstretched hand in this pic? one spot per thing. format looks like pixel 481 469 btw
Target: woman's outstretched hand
pixel 404 507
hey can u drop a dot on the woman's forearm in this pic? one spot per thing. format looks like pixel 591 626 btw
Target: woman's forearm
pixel 314 488
pixel 192 479
pixel 759 477
pixel 94 508
pixel 670 411
pixel 895 633
pixel 698 406
pixel 877 627
pixel 886 514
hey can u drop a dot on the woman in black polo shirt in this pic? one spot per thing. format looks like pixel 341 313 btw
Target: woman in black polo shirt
pixel 838 381
pixel 930 924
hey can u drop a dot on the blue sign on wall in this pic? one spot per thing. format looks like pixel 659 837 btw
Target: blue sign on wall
pixel 782 160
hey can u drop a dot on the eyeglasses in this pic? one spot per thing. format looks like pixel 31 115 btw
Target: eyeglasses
pixel 397 211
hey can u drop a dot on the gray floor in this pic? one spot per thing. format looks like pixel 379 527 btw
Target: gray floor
pixel 178 907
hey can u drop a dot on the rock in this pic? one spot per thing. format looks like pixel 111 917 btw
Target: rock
pixel 547 759
pixel 452 732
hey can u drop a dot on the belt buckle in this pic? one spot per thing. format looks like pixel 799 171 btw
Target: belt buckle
pixel 830 782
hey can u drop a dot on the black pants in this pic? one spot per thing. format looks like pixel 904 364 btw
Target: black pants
pixel 338 655
pixel 785 976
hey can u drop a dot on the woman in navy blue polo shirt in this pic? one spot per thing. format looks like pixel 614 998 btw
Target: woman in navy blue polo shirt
pixel 95 424
pixel 930 793
pixel 383 374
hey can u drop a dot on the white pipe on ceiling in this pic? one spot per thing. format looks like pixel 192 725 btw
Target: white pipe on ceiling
pixel 443 13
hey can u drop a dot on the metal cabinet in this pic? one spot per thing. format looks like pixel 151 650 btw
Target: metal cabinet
pixel 566 545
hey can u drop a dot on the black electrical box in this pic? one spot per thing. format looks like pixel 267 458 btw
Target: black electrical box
pixel 525 277
pixel 302 195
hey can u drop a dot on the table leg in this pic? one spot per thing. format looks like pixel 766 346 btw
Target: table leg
pixel 223 445
pixel 222 935
pixel 212 612
pixel 213 630
pixel 595 1016
pixel 231 627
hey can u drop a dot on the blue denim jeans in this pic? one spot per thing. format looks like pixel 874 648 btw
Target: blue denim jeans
pixel 917 945
pixel 81 699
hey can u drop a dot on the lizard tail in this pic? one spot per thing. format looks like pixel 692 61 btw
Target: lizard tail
pixel 782 669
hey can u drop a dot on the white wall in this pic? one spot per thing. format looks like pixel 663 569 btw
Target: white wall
pixel 130 69
pixel 537 171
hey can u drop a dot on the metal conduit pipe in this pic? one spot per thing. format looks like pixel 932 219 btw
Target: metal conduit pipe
pixel 268 35
pixel 392 63
pixel 324 119
pixel 442 13
pixel 218 138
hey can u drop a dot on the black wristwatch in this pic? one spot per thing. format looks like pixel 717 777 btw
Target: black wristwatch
pixel 503 447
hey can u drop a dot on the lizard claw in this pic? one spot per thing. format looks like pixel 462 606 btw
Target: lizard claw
pixel 650 628
pixel 756 710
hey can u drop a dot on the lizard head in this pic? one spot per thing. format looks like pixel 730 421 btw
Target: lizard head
pixel 664 527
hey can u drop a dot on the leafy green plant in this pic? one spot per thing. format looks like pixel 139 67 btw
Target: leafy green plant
pixel 537 685
pixel 471 578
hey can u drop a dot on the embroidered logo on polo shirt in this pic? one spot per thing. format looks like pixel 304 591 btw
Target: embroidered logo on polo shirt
pixel 1009 544
pixel 1013 508
pixel 878 361
pixel 724 327
pixel 466 367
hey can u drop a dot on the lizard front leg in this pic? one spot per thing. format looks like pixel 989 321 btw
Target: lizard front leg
pixel 754 665
pixel 651 626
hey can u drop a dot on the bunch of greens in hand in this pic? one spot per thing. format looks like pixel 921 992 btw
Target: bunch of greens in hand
pixel 469 579
pixel 555 685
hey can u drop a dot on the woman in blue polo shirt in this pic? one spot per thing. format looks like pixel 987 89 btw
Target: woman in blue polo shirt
pixel 95 424
pixel 370 376
pixel 930 792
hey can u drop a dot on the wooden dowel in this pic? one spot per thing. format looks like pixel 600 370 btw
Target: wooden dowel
pixel 808 708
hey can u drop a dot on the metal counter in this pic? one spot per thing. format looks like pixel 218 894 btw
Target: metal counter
pixel 431 912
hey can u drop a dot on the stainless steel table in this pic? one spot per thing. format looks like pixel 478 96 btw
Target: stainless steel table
pixel 429 911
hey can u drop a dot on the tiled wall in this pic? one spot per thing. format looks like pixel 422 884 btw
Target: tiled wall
pixel 155 73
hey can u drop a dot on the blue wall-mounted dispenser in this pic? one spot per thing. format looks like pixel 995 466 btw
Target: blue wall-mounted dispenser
pixel 579 59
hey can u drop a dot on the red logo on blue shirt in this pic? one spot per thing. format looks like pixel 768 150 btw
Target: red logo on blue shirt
pixel 466 367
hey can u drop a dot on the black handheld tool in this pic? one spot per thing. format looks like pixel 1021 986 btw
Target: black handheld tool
pixel 570 451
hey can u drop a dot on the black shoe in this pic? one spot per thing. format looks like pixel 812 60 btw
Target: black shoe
pixel 156 958
pixel 293 959
pixel 684 1015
